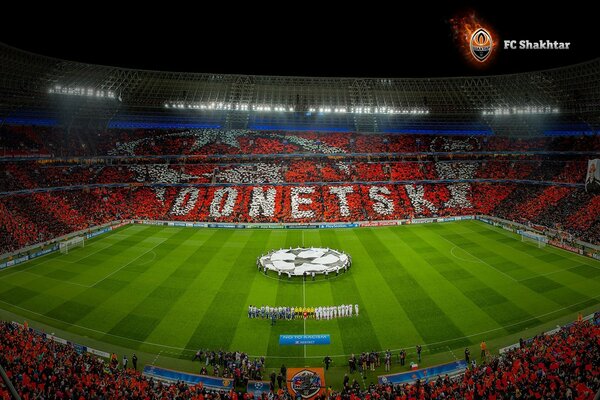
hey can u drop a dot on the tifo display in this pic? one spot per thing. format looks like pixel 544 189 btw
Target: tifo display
pixel 301 261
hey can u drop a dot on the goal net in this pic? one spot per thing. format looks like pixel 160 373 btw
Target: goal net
pixel 532 237
pixel 71 243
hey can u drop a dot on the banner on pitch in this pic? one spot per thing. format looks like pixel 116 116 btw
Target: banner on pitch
pixel 299 340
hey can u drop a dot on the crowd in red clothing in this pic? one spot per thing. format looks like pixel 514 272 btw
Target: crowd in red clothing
pixel 42 368
pixel 564 365
pixel 31 175
pixel 20 140
pixel 37 217
pixel 33 218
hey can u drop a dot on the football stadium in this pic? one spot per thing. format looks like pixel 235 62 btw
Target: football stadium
pixel 218 236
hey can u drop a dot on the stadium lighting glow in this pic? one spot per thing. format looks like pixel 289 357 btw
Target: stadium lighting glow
pixel 280 108
pixel 526 110
pixel 82 92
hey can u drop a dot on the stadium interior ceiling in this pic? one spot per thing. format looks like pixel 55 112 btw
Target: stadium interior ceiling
pixel 386 81
pixel 37 89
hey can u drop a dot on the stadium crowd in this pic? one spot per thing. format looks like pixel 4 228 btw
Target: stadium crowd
pixel 234 365
pixel 307 187
pixel 563 365
pixel 40 141
pixel 32 175
pixel 38 217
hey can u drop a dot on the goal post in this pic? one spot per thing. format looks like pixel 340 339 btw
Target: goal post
pixel 71 243
pixel 533 237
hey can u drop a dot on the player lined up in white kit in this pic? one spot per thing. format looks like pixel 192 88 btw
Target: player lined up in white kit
pixel 331 312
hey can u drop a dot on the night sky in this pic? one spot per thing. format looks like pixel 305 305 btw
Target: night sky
pixel 377 42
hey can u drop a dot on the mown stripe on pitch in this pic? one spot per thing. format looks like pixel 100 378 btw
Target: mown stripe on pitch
pixel 546 259
pixel 357 334
pixel 263 291
pixel 60 270
pixel 542 285
pixel 14 294
pixel 85 302
pixel 114 297
pixel 487 254
pixel 218 325
pixel 547 287
pixel 502 310
pixel 557 292
pixel 428 318
pixel 549 255
pixel 466 315
pixel 287 295
pixel 197 283
pixel 43 285
pixel 150 311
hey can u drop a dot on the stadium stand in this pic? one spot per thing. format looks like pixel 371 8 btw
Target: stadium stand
pixel 561 365
pixel 535 180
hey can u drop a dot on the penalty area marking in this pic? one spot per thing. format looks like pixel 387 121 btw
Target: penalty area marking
pixel 58 280
pixel 479 261
pixel 149 261
pixel 556 272
pixel 429 345
pixel 474 256
pixel 463 259
pixel 114 272
pixel 58 257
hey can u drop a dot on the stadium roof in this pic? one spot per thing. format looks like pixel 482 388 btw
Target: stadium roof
pixel 34 82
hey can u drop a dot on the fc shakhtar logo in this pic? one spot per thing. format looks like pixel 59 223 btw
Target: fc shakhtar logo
pixel 306 383
pixel 481 44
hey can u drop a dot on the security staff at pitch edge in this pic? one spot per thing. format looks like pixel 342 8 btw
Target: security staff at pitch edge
pixel 536 45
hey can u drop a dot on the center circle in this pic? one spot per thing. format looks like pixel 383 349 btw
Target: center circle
pixel 304 261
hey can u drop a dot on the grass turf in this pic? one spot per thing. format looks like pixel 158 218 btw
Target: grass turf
pixel 172 290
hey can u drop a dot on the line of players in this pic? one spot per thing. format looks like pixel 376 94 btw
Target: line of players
pixel 319 313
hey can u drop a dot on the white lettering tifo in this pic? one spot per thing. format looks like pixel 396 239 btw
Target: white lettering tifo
pixel 416 194
pixel 291 204
pixel 536 45
pixel 215 206
pixel 381 204
pixel 298 200
pixel 185 201
pixel 263 204
pixel 341 192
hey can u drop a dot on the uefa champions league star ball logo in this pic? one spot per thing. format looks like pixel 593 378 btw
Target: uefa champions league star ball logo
pixel 302 261
pixel 306 383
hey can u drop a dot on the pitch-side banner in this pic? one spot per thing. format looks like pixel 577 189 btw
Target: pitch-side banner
pixel 300 340
pixel 592 181
pixel 306 382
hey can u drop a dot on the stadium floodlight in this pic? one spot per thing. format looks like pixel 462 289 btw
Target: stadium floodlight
pixel 282 108
pixel 521 110
pixel 82 92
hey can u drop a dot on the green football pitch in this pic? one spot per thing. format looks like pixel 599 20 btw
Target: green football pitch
pixel 171 290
